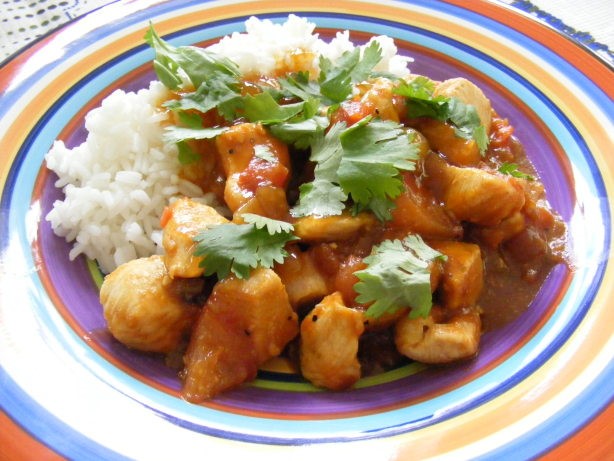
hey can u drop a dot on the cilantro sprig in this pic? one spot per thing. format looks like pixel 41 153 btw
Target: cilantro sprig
pixel 191 128
pixel 421 102
pixel 362 163
pixel 335 81
pixel 397 276
pixel 216 83
pixel 239 248
pixel 511 169
pixel 173 64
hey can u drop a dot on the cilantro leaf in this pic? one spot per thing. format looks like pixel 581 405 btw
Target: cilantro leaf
pixel 300 86
pixel 190 119
pixel 512 170
pixel 197 64
pixel 366 182
pixel 361 162
pixel 327 150
pixel 301 133
pixel 264 109
pixel 186 154
pixel 273 226
pixel 239 248
pixel 336 79
pixel 371 56
pixel 380 207
pixel 397 276
pixel 295 123
pixel 178 134
pixel 217 85
pixel 420 100
pixel 320 198
pixel 420 87
pixel 334 82
pixel 481 138
pixel 376 141
pixel 467 123
pixel 220 91
pixel 164 65
pixel 216 80
pixel 421 103
pixel 323 196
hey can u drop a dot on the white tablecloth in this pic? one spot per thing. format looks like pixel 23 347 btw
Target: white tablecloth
pixel 589 21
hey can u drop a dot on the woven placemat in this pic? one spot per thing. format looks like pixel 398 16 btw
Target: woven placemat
pixel 590 22
pixel 22 21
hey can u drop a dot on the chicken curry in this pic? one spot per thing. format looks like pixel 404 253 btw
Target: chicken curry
pixel 302 255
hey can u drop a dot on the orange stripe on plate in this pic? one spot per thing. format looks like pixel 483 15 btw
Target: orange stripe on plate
pixel 17 445
pixel 594 441
pixel 592 66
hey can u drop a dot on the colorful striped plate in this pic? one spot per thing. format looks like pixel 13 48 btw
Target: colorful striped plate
pixel 540 386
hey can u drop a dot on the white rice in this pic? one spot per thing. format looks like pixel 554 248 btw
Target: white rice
pixel 117 183
pixel 266 45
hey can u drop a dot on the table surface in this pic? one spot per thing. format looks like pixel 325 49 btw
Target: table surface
pixel 589 21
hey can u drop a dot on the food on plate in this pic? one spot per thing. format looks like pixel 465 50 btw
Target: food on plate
pixel 244 323
pixel 330 336
pixel 117 183
pixel 142 309
pixel 277 196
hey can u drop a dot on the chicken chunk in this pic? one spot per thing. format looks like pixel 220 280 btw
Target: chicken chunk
pixel 184 219
pixel 528 245
pixel 472 194
pixel 384 321
pixel 537 240
pixel 442 138
pixel 502 232
pixel 243 324
pixel 424 340
pixel 267 201
pixel 469 93
pixel 142 309
pixel 303 280
pixel 251 158
pixel 329 344
pixel 418 212
pixel 462 278
pixel 333 228
pixel 378 98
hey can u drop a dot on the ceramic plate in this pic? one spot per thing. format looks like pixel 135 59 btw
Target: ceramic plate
pixel 541 384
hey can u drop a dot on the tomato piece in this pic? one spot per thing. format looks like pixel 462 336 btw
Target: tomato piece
pixel 263 173
pixel 345 278
pixel 167 214
pixel 351 112
pixel 500 133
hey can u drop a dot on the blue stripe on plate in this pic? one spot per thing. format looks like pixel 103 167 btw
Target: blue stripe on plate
pixel 562 424
pixel 47 428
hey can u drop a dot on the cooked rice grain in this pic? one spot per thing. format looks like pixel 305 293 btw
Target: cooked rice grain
pixel 117 183
pixel 265 46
